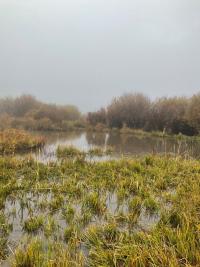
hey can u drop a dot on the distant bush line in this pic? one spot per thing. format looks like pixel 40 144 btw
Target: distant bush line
pixel 31 114
pixel 127 113
pixel 170 115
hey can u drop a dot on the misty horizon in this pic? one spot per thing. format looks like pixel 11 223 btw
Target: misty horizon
pixel 152 99
pixel 87 52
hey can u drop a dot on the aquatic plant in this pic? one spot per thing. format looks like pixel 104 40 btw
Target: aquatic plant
pixel 94 203
pixel 50 226
pixel 52 254
pixel 86 217
pixel 69 152
pixel 151 204
pixel 68 213
pixel 56 203
pixel 33 224
pixel 135 204
pixel 5 229
pixel 95 152
pixel 113 212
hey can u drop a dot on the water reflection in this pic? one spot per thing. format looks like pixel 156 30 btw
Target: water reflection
pixel 122 144
pixel 136 145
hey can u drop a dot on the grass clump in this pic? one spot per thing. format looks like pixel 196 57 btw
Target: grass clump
pixel 5 229
pixel 12 141
pixel 52 254
pixel 56 203
pixel 135 204
pixel 68 213
pixel 50 226
pixel 72 152
pixel 69 152
pixel 70 232
pixel 33 224
pixel 113 211
pixel 94 203
pixel 151 204
pixel 95 152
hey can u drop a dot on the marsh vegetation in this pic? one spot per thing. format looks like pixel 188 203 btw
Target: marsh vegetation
pixel 13 141
pixel 115 144
pixel 82 199
pixel 72 212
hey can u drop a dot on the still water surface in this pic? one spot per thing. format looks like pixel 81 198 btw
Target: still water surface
pixel 122 144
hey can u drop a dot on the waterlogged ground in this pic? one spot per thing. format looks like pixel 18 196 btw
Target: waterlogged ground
pixel 122 144
pixel 75 212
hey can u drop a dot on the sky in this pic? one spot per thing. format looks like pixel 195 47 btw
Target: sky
pixel 85 52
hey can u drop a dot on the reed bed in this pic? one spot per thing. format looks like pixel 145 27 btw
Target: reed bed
pixel 12 141
pixel 128 212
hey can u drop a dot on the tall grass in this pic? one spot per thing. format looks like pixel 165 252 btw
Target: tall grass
pixel 12 140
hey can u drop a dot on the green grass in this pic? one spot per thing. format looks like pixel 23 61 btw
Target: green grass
pixel 95 151
pixel 69 152
pixel 53 254
pixel 128 212
pixel 33 224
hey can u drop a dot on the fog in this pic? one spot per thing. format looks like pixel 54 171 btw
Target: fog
pixel 85 52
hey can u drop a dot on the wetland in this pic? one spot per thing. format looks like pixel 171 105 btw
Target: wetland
pixel 90 199
pixel 126 145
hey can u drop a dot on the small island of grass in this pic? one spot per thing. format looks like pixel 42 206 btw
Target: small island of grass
pixel 13 140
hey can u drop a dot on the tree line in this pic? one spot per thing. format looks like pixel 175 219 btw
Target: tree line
pixel 136 111
pixel 167 114
pixel 29 113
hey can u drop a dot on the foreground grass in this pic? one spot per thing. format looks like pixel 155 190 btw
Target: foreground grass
pixel 139 212
pixel 12 141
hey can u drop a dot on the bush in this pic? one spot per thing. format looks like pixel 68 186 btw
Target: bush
pixel 135 111
pixel 28 113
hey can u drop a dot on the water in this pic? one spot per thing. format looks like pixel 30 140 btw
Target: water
pixel 21 207
pixel 122 144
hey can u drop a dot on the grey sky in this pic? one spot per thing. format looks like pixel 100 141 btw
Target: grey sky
pixel 84 52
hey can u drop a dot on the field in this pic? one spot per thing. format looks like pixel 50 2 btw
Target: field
pixel 81 212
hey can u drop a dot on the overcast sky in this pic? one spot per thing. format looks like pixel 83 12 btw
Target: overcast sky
pixel 85 52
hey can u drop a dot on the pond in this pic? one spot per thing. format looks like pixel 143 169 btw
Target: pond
pixel 122 144
pixel 68 202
